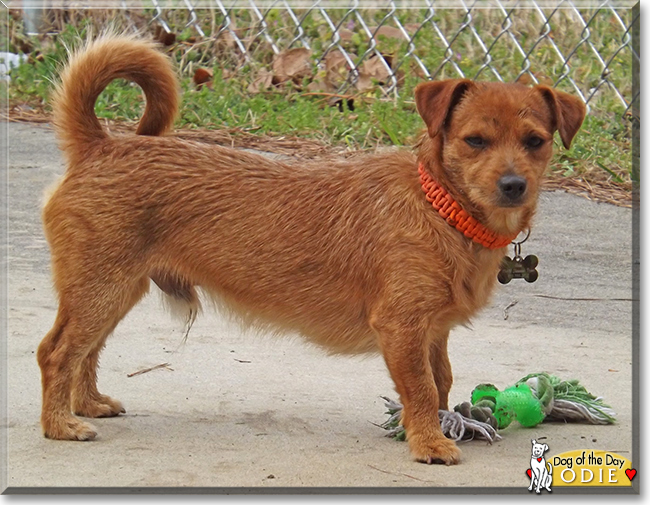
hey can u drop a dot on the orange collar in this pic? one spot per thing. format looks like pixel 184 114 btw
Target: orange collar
pixel 454 214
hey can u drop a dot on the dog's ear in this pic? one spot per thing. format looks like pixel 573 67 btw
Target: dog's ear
pixel 545 447
pixel 534 441
pixel 436 100
pixel 568 112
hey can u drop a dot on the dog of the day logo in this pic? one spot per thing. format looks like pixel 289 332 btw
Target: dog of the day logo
pixel 540 471
pixel 577 468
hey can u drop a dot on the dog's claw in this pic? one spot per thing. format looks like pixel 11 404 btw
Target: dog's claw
pixel 437 461
pixel 105 406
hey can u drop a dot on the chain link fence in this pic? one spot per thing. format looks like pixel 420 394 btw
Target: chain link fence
pixel 582 47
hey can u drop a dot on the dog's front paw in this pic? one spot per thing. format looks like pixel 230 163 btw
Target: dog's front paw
pixel 438 450
pixel 104 406
pixel 69 428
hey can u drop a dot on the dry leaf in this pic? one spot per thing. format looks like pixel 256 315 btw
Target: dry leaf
pixel 364 82
pixel 202 76
pixel 345 34
pixel 411 28
pixel 294 64
pixel 225 41
pixel 263 82
pixel 168 38
pixel 164 37
pixel 336 69
pixel 319 85
pixel 372 70
pixel 388 32
pixel 377 68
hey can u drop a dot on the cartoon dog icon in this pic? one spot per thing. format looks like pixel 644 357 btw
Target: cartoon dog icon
pixel 540 475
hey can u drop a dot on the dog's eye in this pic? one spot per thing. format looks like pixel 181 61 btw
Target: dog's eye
pixel 533 142
pixel 477 142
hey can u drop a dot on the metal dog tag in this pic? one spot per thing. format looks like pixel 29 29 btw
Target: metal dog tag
pixel 518 267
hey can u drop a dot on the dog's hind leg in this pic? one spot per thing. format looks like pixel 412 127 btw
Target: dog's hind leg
pixel 87 401
pixel 68 355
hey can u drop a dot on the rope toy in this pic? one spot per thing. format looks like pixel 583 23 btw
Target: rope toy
pixel 534 399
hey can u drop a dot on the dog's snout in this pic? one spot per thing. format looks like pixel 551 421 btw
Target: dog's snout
pixel 512 187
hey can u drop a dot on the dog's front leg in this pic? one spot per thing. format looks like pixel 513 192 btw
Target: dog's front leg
pixel 404 338
pixel 441 367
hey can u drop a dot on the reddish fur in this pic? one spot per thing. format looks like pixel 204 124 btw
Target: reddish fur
pixel 349 254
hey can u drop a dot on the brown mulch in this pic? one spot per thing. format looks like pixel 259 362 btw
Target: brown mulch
pixel 619 194
pixel 232 137
pixel 596 188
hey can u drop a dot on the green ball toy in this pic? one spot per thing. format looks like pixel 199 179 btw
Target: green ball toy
pixel 514 403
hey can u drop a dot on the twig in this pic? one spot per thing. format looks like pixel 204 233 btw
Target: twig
pixel 331 95
pixel 242 360
pixel 585 299
pixel 145 370
pixel 508 307
pixel 398 474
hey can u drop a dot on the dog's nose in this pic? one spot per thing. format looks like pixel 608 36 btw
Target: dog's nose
pixel 512 187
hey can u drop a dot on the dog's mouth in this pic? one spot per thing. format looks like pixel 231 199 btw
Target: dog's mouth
pixel 508 204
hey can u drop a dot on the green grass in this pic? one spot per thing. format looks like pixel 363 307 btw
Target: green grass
pixel 601 151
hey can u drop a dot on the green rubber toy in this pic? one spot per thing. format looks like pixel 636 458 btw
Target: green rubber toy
pixel 514 403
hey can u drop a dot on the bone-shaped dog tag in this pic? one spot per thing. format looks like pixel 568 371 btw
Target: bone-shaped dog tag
pixel 518 268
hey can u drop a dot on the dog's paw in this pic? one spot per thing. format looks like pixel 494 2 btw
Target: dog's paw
pixel 104 406
pixel 70 428
pixel 439 450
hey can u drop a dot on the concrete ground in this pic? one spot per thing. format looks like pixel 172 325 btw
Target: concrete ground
pixel 235 410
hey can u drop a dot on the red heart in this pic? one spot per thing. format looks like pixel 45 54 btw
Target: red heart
pixel 539 459
pixel 630 472
pixel 530 473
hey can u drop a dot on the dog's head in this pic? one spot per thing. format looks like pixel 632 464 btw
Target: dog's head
pixel 539 449
pixel 494 142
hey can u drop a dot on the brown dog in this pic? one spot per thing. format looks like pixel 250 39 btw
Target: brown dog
pixel 352 255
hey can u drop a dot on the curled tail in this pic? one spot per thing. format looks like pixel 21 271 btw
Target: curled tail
pixel 91 69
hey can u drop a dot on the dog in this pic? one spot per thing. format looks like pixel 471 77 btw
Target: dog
pixel 541 475
pixel 352 254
